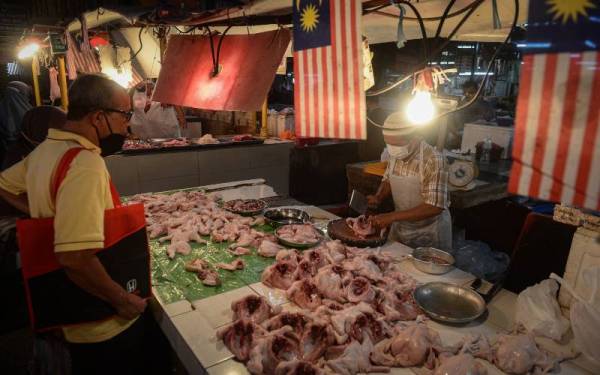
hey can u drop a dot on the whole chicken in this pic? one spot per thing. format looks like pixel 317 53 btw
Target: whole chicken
pixel 519 354
pixel 412 345
pixel 240 337
pixel 460 364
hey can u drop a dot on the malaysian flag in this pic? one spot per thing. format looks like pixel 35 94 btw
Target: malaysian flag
pixel 557 143
pixel 328 72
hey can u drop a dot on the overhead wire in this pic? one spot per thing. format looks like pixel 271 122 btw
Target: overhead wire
pixel 488 70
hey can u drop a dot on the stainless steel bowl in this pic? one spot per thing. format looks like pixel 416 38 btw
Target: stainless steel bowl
pixel 261 202
pixel 283 216
pixel 422 258
pixel 449 303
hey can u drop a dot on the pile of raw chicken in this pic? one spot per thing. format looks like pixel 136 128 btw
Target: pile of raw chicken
pixel 357 315
pixel 186 217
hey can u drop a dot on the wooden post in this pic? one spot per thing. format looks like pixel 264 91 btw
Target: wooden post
pixel 264 131
pixel 62 82
pixel 36 83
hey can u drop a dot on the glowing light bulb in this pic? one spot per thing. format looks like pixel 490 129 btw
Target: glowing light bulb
pixel 420 109
pixel 29 50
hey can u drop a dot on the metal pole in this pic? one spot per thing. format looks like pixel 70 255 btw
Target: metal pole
pixel 62 82
pixel 36 83
pixel 264 132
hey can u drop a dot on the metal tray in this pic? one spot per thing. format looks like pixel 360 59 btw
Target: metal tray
pixel 299 245
pixel 247 213
pixel 283 216
pixel 449 303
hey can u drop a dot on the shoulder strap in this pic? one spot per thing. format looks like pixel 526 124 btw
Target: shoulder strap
pixel 61 172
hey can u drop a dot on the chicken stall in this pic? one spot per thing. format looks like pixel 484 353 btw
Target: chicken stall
pixel 233 297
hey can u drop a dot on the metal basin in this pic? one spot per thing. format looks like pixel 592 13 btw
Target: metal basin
pixel 449 303
pixel 299 245
pixel 431 260
pixel 283 216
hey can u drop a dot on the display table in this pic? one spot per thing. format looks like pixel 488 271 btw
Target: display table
pixel 191 326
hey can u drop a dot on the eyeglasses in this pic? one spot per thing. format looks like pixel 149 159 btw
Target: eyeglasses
pixel 127 114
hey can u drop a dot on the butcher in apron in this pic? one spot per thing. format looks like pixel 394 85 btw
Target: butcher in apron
pixel 153 119
pixel 417 180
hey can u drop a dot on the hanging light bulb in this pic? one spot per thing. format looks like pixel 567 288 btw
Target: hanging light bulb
pixel 28 50
pixel 420 109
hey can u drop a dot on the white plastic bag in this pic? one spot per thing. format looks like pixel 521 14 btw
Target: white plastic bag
pixel 585 315
pixel 539 313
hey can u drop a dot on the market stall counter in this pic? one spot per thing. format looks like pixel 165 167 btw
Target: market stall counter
pixel 191 317
pixel 178 168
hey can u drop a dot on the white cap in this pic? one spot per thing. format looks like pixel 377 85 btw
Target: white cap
pixel 397 124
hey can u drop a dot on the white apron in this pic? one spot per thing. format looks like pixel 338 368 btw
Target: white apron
pixel 158 122
pixel 406 191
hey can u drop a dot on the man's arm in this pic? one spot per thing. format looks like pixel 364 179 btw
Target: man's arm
pixel 17 201
pixel 86 271
pixel 422 211
pixel 383 192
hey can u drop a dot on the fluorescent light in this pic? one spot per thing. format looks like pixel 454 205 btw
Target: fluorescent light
pixel 590 44
pixel 466 46
pixel 476 73
pixel 534 45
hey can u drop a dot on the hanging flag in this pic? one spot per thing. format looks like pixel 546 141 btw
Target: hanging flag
pixel 328 69
pixel 556 152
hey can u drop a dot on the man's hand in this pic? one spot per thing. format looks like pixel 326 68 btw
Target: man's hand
pixel 373 202
pixel 131 306
pixel 382 221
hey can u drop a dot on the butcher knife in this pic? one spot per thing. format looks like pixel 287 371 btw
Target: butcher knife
pixel 358 202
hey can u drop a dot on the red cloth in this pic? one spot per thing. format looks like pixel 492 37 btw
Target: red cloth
pixel 249 63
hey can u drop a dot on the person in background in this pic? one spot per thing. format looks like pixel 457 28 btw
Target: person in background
pixel 153 119
pixel 417 180
pixel 34 130
pixel 476 111
pixel 13 106
pixel 96 124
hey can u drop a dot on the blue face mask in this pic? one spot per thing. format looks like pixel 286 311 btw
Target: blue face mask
pixel 398 152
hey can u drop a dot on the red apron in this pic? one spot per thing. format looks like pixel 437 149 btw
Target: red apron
pixel 53 299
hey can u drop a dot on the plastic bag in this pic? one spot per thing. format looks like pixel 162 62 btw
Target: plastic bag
pixel 538 311
pixel 585 315
pixel 479 259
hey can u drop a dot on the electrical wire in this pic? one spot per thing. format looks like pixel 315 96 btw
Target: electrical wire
pixel 484 80
pixel 421 25
pixel 136 52
pixel 427 19
pixel 423 63
pixel 215 57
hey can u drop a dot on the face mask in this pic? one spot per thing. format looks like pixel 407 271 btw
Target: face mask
pixel 398 152
pixel 139 100
pixel 111 144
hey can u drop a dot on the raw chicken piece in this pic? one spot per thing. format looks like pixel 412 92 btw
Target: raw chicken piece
pixel 520 355
pixel 360 290
pixel 299 233
pixel 296 320
pixel 279 275
pixel 361 226
pixel 404 302
pixel 244 240
pixel 342 321
pixel 315 340
pixel 329 283
pixel 183 248
pixel 413 345
pixel 196 265
pixel 365 267
pixel 336 251
pixel 269 249
pixel 292 256
pixel 209 277
pixel 305 294
pixel 155 230
pixel 315 257
pixel 240 337
pixel 305 270
pixel 461 364
pixel 259 220
pixel 354 359
pixel 255 308
pixel 296 367
pixel 237 264
pixel 240 251
pixel 275 347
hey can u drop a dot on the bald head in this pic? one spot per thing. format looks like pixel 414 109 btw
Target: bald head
pixel 90 92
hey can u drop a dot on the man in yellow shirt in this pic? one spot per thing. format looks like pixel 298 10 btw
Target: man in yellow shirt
pixel 97 121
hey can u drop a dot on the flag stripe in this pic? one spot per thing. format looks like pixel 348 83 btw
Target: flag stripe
pixel 521 118
pixel 336 70
pixel 329 79
pixel 543 125
pixel 555 110
pixel 567 121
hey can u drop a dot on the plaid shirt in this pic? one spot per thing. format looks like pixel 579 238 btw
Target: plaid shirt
pixel 434 181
